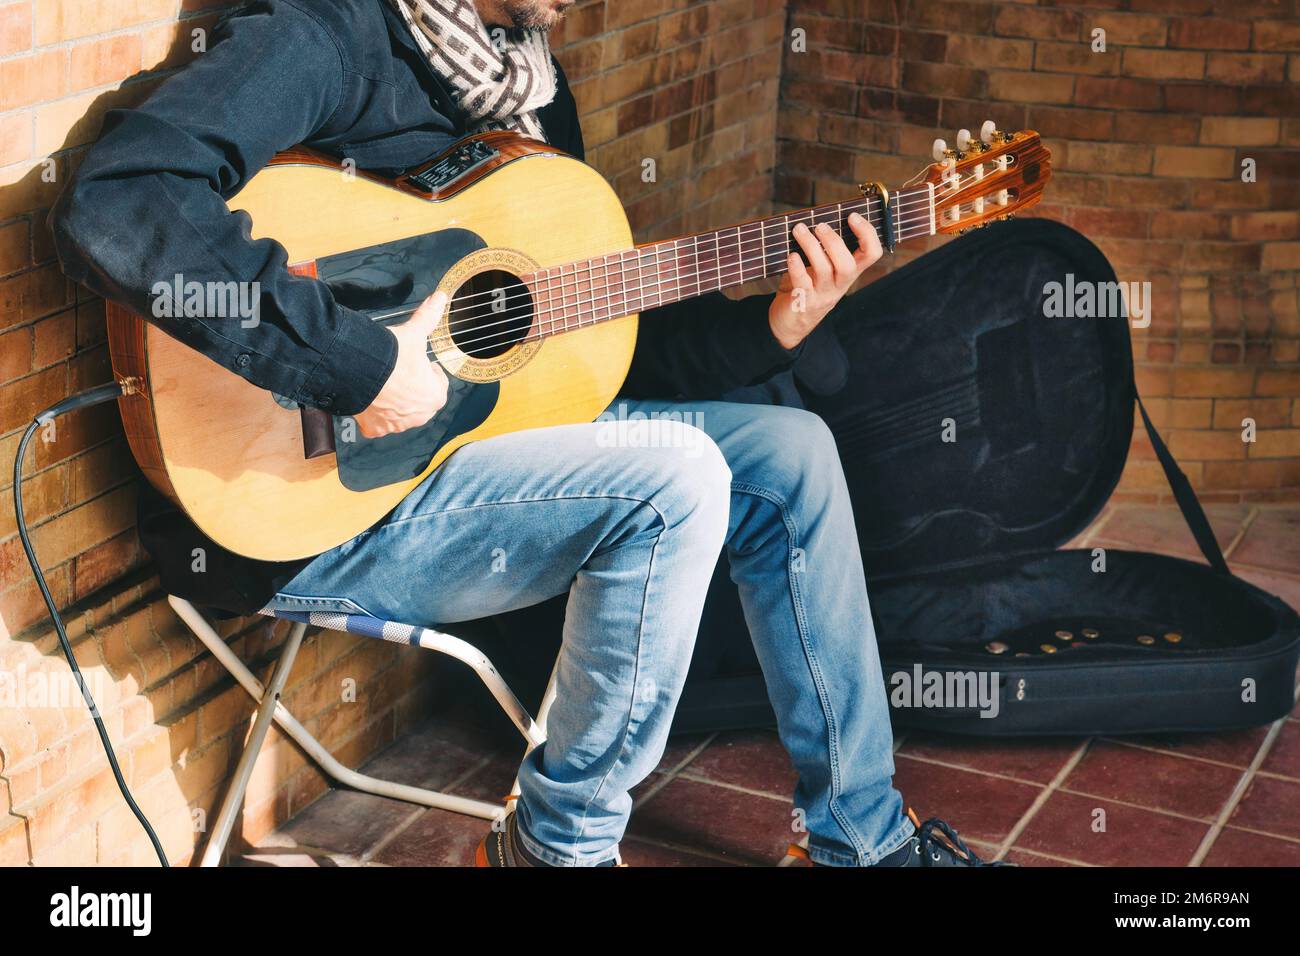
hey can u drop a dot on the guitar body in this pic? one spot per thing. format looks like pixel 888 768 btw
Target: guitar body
pixel 534 252
pixel 232 455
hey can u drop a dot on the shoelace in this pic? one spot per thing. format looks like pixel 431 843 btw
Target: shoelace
pixel 947 841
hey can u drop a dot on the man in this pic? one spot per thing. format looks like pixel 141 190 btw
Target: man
pixel 630 529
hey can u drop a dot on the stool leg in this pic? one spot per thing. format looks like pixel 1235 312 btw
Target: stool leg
pixel 539 725
pixel 244 770
pixel 313 747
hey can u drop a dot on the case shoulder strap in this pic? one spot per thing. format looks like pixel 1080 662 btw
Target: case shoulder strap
pixel 1188 504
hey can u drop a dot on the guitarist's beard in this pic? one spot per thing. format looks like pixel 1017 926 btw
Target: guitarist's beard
pixel 524 14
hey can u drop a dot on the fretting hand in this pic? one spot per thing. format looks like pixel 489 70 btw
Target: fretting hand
pixel 808 293
pixel 417 387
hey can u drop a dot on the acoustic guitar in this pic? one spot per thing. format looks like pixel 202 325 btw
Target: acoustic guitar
pixel 545 285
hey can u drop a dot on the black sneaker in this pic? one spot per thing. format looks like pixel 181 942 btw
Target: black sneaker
pixel 933 844
pixel 936 844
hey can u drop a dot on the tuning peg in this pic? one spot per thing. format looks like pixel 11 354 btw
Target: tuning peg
pixel 939 150
pixel 987 132
pixel 963 140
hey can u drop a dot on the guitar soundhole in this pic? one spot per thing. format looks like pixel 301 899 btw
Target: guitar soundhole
pixel 490 314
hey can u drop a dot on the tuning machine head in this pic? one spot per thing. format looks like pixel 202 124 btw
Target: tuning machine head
pixel 990 134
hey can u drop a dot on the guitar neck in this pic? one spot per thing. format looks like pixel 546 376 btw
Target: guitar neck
pixel 578 294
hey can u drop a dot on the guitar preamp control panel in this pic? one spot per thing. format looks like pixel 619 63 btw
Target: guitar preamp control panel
pixel 460 162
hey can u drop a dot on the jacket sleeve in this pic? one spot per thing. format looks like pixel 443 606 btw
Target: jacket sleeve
pixel 705 347
pixel 148 206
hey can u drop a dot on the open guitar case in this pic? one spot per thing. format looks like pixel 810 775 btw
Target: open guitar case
pixel 960 537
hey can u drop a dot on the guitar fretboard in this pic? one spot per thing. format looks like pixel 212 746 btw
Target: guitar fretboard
pixel 578 294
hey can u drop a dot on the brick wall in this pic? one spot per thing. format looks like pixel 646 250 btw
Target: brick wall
pixel 1147 140
pixel 692 86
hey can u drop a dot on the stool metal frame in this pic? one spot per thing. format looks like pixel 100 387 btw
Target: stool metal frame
pixel 272 709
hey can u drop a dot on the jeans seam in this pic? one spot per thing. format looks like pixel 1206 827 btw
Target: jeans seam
pixel 640 645
pixel 832 735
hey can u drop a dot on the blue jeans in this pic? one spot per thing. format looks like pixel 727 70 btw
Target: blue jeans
pixel 628 515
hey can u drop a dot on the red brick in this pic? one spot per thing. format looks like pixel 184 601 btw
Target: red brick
pixel 1245 68
pixel 1044 88
pixel 1164 64
pixel 15 28
pixel 1117 93
pixel 1195 162
pixel 1271 100
pixel 1037 23
pixel 1277 35
pixel 100 62
pixel 1127 29
pixel 1205 33
pixel 1164 128
pixel 1200 98
pixel 1074 57
pixel 1239 131
pixel 26 80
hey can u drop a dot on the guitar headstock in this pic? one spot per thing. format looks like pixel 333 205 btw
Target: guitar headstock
pixel 987 178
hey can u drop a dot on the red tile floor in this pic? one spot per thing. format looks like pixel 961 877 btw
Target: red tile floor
pixel 724 799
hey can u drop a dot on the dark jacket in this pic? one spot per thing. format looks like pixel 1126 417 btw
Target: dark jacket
pixel 344 76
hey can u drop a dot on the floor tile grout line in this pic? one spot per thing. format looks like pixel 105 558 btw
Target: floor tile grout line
pixel 1291 573
pixel 419 810
pixel 1043 796
pixel 1129 804
pixel 734 787
pixel 1149 748
pixel 1090 533
pixel 1054 857
pixel 1273 835
pixel 1234 799
pixel 684 848
pixel 1098 796
pixel 299 849
pixel 672 774
pixel 1240 536
pixel 997 775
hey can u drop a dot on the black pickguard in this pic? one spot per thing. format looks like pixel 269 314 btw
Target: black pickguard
pixel 396 277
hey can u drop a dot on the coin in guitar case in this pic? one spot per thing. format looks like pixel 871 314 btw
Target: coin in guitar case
pixel 1173 637
pixel 1091 633
pixel 996 647
pixel 1064 635
pixel 1022 654
pixel 1047 648
pixel 1146 639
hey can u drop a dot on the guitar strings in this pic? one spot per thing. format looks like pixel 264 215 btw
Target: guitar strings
pixel 776 259
pixel 812 215
pixel 745 233
pixel 555 315
pixel 771 260
pixel 565 285
pixel 754 233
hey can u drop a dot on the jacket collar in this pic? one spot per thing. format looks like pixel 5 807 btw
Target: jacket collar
pixel 398 29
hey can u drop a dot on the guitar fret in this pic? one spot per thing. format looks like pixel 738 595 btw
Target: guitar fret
pixel 575 295
pixel 579 294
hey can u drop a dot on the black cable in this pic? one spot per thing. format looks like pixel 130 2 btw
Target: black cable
pixel 94 396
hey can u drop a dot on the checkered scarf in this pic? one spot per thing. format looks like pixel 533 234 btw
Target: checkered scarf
pixel 501 79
